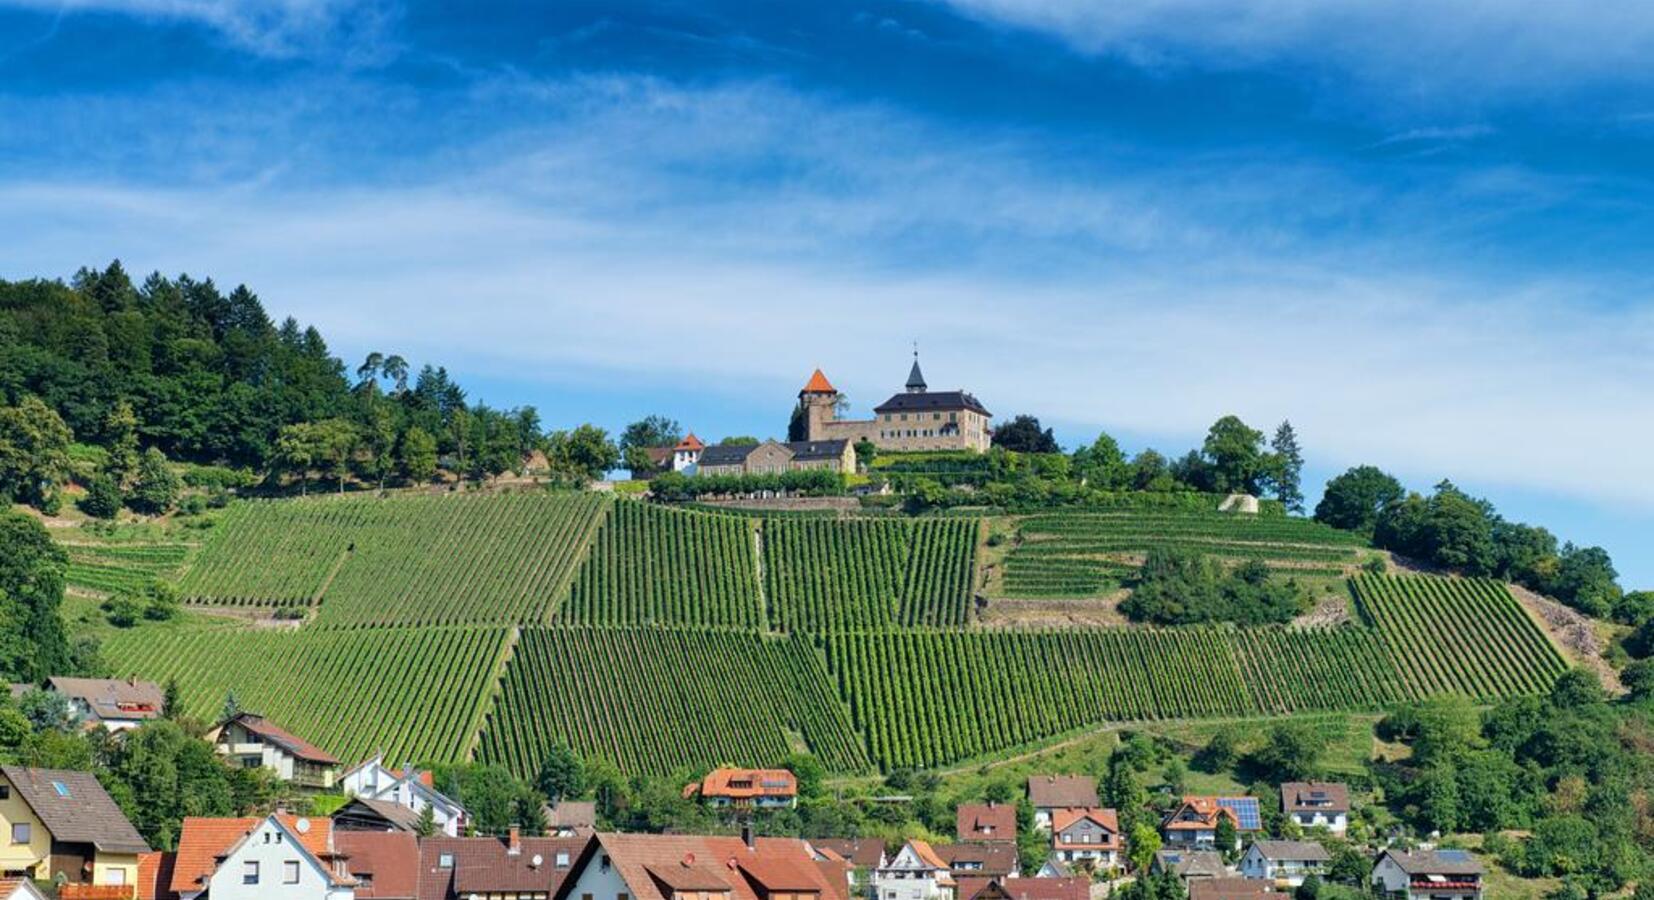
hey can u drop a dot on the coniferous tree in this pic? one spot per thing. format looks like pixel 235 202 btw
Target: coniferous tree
pixel 1289 468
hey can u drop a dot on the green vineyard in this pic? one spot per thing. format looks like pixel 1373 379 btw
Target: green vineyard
pixel 415 693
pixel 115 567
pixel 1088 554
pixel 1459 635
pixel 428 560
pixel 664 638
pixel 653 565
pixel 657 700
pixel 829 575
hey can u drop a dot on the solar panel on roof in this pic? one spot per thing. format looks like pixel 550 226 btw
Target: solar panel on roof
pixel 1245 810
pixel 1453 855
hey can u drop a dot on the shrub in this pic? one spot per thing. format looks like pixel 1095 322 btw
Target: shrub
pixel 103 498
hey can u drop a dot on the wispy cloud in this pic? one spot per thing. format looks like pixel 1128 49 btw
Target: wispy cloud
pixel 735 237
pixel 351 31
pixel 1409 46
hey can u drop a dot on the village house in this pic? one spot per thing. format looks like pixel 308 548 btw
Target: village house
pixel 1069 888
pixel 1428 875
pixel 915 419
pixel 980 859
pixel 250 740
pixel 1231 888
pixel 1190 865
pixel 861 855
pixel 746 789
pixel 63 825
pixel 916 872
pixel 1054 868
pixel 384 864
pixel 114 703
pixel 276 857
pixel 570 818
pixel 691 867
pixel 1284 862
pixel 361 814
pixel 986 822
pixel 512 867
pixel 1194 821
pixel 1317 804
pixel 1088 837
pixel 411 789
pixel 1049 793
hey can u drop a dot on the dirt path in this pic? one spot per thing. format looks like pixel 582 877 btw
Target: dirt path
pixel 1010 613
pixel 1573 631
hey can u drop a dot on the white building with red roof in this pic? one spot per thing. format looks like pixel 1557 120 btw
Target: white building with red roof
pixel 747 788
pixel 1089 836
pixel 250 740
pixel 916 872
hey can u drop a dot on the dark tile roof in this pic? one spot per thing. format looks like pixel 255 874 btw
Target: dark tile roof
pixel 385 864
pixel 1435 862
pixel 284 739
pixel 989 858
pixel 1047 791
pixel 485 865
pixel 113 698
pixel 727 454
pixel 75 808
pixel 572 814
pixel 1314 796
pixel 367 814
pixel 1191 863
pixel 1230 888
pixel 931 401
pixel 1293 850
pixel 986 822
pixel 812 450
pixel 1070 888
pixel 863 853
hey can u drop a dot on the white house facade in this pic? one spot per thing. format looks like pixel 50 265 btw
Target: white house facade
pixel 272 863
pixel 914 873
pixel 372 780
pixel 1284 862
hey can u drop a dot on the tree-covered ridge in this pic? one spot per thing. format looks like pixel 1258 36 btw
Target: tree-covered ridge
pixel 180 366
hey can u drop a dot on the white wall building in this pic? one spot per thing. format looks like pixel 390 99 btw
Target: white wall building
pixel 914 873
pixel 272 862
pixel 410 788
pixel 1284 862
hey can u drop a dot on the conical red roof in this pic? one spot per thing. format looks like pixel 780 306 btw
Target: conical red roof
pixel 818 384
pixel 691 442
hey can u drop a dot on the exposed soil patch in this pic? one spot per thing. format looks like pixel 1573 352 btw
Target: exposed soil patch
pixel 255 617
pixel 1331 610
pixel 1572 630
pixel 1101 611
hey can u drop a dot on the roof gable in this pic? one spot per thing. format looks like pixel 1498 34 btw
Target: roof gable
pixel 818 384
pixel 75 808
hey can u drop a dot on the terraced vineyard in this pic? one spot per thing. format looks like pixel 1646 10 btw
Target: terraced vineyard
pixel 1087 554
pixel 416 693
pixel 654 700
pixel 653 565
pixel 113 567
pixel 828 575
pixel 1459 635
pixel 445 559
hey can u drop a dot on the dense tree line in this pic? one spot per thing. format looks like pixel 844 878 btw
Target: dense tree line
pixel 181 368
pixel 1451 529
pixel 1177 587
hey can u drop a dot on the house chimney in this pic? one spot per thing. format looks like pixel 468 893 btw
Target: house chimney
pixel 514 841
pixel 746 835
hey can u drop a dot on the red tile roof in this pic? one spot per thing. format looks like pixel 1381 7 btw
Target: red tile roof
pixel 203 840
pixel 745 784
pixel 1050 791
pixel 13 888
pixel 1206 812
pixel 690 442
pixel 155 875
pixel 986 822
pixel 1072 888
pixel 818 384
pixel 928 856
pixel 783 865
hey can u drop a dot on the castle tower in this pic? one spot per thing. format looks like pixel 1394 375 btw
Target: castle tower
pixel 820 399
pixel 915 378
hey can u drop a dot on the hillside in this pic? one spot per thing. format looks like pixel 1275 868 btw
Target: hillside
pixel 661 637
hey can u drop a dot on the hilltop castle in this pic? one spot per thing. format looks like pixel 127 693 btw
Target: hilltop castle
pixel 915 419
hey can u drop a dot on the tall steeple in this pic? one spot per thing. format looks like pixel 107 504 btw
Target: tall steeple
pixel 915 378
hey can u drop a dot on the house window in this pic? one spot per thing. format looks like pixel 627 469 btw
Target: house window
pixel 445 861
pixel 5 792
pixel 249 873
pixel 562 859
pixel 20 832
pixel 61 788
pixel 116 876
pixel 290 872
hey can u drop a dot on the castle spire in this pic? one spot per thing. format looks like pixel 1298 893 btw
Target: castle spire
pixel 915 378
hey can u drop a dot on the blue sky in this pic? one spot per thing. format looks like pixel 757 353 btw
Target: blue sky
pixel 1421 231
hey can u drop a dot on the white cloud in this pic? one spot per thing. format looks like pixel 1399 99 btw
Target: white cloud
pixel 1410 46
pixel 734 239
pixel 352 28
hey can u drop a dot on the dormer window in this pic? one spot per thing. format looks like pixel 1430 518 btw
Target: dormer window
pixel 445 861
